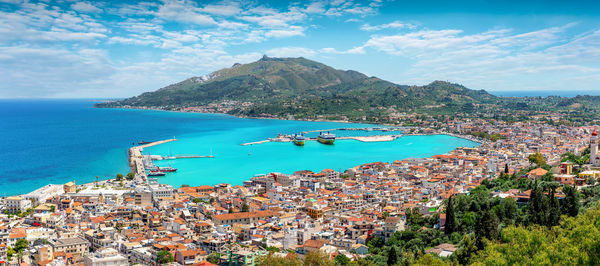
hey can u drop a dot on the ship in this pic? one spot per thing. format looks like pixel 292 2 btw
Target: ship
pixel 156 173
pixel 167 169
pixel 299 140
pixel 326 138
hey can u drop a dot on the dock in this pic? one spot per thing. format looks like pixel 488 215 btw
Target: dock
pixel 183 156
pixel 373 138
pixel 136 160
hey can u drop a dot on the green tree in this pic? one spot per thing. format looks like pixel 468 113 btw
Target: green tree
pixel 571 203
pixel 164 256
pixel 213 258
pixel 119 177
pixel 450 226
pixel 392 256
pixel 245 207
pixel 130 176
pixel 341 259
pixel 537 159
pixel 21 244
pixel 317 259
pixel 506 168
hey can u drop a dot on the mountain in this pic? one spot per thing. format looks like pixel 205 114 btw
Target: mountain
pixel 302 88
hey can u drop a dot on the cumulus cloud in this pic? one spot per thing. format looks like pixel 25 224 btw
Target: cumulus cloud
pixel 85 7
pixel 290 52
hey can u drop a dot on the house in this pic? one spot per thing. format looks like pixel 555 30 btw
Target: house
pixel 17 204
pixel 241 217
pixel 442 250
pixel 536 173
pixel 190 257
pixel 360 249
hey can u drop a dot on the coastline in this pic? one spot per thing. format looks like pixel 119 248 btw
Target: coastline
pixel 132 164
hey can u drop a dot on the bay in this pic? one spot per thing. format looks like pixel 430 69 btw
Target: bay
pixel 56 141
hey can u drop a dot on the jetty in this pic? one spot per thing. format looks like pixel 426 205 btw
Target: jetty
pixel 373 138
pixel 136 159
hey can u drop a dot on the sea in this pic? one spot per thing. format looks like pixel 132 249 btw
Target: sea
pixel 56 141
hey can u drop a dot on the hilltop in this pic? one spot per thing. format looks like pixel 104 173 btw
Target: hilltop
pixel 300 87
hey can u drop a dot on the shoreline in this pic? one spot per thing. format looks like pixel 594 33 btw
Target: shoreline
pixel 133 163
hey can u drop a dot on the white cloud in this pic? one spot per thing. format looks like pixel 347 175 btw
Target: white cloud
pixel 290 52
pixel 496 59
pixel 291 31
pixel 183 11
pixel 85 7
pixel 391 25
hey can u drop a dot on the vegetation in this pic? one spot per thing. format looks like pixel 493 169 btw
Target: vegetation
pixel 164 256
pixel 307 89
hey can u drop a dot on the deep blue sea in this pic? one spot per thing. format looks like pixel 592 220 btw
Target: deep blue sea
pixel 56 141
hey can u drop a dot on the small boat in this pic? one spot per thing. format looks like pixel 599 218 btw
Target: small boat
pixel 299 140
pixel 156 173
pixel 167 169
pixel 326 138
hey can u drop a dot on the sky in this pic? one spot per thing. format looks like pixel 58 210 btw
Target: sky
pixel 114 49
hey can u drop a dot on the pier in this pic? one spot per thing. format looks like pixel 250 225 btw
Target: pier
pixel 374 138
pixel 136 160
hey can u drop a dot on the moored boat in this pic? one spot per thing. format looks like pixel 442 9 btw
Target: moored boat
pixel 299 140
pixel 167 169
pixel 326 138
pixel 156 173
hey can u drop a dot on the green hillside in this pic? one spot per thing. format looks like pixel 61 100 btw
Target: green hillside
pixel 303 88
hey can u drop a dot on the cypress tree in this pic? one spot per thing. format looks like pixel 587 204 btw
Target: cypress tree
pixel 392 256
pixel 506 168
pixel 450 226
pixel 571 202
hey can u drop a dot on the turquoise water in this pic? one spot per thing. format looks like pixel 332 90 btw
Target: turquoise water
pixel 56 141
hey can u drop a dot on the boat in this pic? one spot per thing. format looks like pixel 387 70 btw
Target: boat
pixel 299 140
pixel 144 142
pixel 156 173
pixel 326 138
pixel 167 169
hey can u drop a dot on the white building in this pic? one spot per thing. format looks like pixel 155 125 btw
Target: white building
pixel 17 203
pixel 105 257
pixel 160 190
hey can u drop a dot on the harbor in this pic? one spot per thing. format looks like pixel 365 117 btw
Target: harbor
pixel 332 137
pixel 141 163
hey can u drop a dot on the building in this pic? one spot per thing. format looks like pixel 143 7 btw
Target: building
pixel 536 173
pixel 159 191
pixel 17 204
pixel 105 257
pixel 594 157
pixel 77 247
pixel 241 217
pixel 190 257
pixel 70 187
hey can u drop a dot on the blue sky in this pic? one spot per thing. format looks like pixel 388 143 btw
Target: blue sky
pixel 76 49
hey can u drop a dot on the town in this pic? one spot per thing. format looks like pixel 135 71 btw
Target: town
pixel 134 219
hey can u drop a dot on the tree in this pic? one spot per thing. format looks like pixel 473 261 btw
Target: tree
pixel 119 177
pixel 450 226
pixel 164 256
pixel 213 258
pixel 130 176
pixel 21 244
pixel 392 256
pixel 341 259
pixel 537 159
pixel 317 258
pixel 245 207
pixel 506 168
pixel 571 202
